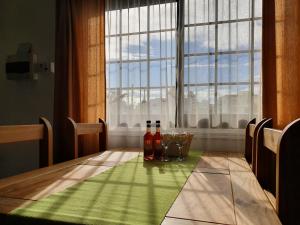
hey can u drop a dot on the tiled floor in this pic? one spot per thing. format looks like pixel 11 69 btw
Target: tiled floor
pixel 222 190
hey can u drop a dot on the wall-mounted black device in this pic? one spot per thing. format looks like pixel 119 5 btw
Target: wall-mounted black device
pixel 21 65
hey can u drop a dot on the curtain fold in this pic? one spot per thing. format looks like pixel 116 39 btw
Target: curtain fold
pixel 269 101
pixel 281 46
pixel 80 70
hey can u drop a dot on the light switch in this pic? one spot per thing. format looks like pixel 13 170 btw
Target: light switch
pixel 52 67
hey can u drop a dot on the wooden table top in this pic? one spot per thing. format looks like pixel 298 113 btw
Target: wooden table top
pixel 221 190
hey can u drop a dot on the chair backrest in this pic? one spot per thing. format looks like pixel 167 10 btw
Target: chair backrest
pixel 224 125
pixel 287 174
pixel 42 132
pixel 250 142
pixel 266 156
pixel 203 123
pixel 281 148
pixel 75 129
pixel 242 124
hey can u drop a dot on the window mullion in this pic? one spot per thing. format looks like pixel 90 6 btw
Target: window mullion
pixel 148 61
pixel 216 60
pixel 209 65
pixel 128 79
pixel 180 65
pixel 120 68
pixel 140 63
pixel 252 58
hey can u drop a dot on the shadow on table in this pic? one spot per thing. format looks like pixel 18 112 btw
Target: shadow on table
pixel 171 166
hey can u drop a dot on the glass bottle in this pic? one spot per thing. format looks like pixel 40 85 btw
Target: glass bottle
pixel 148 143
pixel 157 142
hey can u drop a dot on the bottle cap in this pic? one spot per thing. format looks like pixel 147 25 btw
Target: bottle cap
pixel 157 121
pixel 148 121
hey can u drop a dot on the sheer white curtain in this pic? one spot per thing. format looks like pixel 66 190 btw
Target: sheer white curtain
pixel 211 78
pixel 222 50
pixel 140 67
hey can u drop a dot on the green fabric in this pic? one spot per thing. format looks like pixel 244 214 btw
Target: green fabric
pixel 136 192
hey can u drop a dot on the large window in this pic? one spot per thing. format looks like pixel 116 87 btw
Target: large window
pixel 221 62
pixel 219 53
pixel 141 53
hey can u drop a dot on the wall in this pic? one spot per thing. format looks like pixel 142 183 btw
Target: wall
pixel 281 61
pixel 24 101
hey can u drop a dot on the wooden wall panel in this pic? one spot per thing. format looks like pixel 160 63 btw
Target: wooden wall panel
pixel 281 77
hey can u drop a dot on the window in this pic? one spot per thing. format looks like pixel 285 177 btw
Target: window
pixel 221 62
pixel 141 59
pixel 220 53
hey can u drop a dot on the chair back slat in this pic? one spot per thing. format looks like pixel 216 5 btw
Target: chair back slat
pixel 251 130
pixel 42 132
pixel 271 139
pixel 88 128
pixel 75 129
pixel 18 133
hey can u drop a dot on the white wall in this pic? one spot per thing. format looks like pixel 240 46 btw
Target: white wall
pixel 24 101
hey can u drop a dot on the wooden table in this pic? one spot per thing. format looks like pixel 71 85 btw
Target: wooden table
pixel 221 190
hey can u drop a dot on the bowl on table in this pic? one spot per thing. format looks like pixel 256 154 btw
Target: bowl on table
pixel 184 138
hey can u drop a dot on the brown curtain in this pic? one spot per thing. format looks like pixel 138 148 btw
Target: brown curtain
pixel 281 61
pixel 80 70
pixel 269 101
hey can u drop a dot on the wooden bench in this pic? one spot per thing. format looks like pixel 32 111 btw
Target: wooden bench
pixel 42 132
pixel 250 142
pixel 75 129
pixel 278 165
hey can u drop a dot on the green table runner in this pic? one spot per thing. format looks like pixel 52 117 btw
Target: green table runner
pixel 136 192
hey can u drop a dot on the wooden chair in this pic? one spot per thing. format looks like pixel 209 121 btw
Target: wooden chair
pixel 266 160
pixel 281 177
pixel 250 142
pixel 75 129
pixel 42 132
